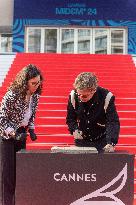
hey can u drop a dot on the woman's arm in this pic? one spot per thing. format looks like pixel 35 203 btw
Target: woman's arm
pixel 7 106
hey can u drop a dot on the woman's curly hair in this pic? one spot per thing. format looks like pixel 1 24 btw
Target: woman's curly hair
pixel 20 84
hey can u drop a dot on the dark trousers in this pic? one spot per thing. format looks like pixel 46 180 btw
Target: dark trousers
pixel 98 144
pixel 8 168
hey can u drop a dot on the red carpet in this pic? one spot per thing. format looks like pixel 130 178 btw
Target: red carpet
pixel 115 72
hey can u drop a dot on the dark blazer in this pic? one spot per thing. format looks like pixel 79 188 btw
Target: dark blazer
pixel 91 118
pixel 12 111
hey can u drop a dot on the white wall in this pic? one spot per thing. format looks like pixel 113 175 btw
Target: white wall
pixel 5 64
pixel 6 12
pixel 134 59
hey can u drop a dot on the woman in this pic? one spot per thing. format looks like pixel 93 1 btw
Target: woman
pixel 17 115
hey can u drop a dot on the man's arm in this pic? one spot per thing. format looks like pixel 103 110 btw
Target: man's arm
pixel 112 123
pixel 71 119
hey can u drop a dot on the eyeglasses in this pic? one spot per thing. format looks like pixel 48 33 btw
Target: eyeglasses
pixel 35 83
pixel 83 96
pixel 87 95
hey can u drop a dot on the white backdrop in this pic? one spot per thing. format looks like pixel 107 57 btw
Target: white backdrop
pixel 6 12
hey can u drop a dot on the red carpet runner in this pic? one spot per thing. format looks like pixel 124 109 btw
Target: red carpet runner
pixel 115 72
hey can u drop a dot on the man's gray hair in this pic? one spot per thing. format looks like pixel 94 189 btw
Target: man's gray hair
pixel 86 80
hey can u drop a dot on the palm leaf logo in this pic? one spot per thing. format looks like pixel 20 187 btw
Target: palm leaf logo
pixel 103 192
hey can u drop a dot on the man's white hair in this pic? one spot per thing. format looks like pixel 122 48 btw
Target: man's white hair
pixel 86 80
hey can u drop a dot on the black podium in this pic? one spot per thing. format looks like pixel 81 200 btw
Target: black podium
pixel 45 178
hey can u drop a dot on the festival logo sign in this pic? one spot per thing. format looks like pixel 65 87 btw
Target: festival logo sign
pixel 106 192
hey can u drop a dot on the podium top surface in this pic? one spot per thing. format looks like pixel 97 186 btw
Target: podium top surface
pixel 118 152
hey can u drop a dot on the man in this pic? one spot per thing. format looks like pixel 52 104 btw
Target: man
pixel 91 114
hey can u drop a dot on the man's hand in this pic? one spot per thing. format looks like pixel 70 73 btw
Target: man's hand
pixel 108 148
pixel 77 134
pixel 32 135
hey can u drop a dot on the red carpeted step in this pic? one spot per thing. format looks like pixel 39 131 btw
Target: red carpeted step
pixel 115 72
pixel 127 139
pixel 50 120
pixel 126 107
pixel 51 113
pixel 128 121
pixel 53 106
pixel 49 129
pixel 53 99
pixel 125 114
pixel 126 100
pixel 54 138
pixel 129 148
pixel 126 130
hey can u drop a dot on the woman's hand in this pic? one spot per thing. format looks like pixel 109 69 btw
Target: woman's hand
pixel 12 134
pixel 9 134
pixel 32 135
